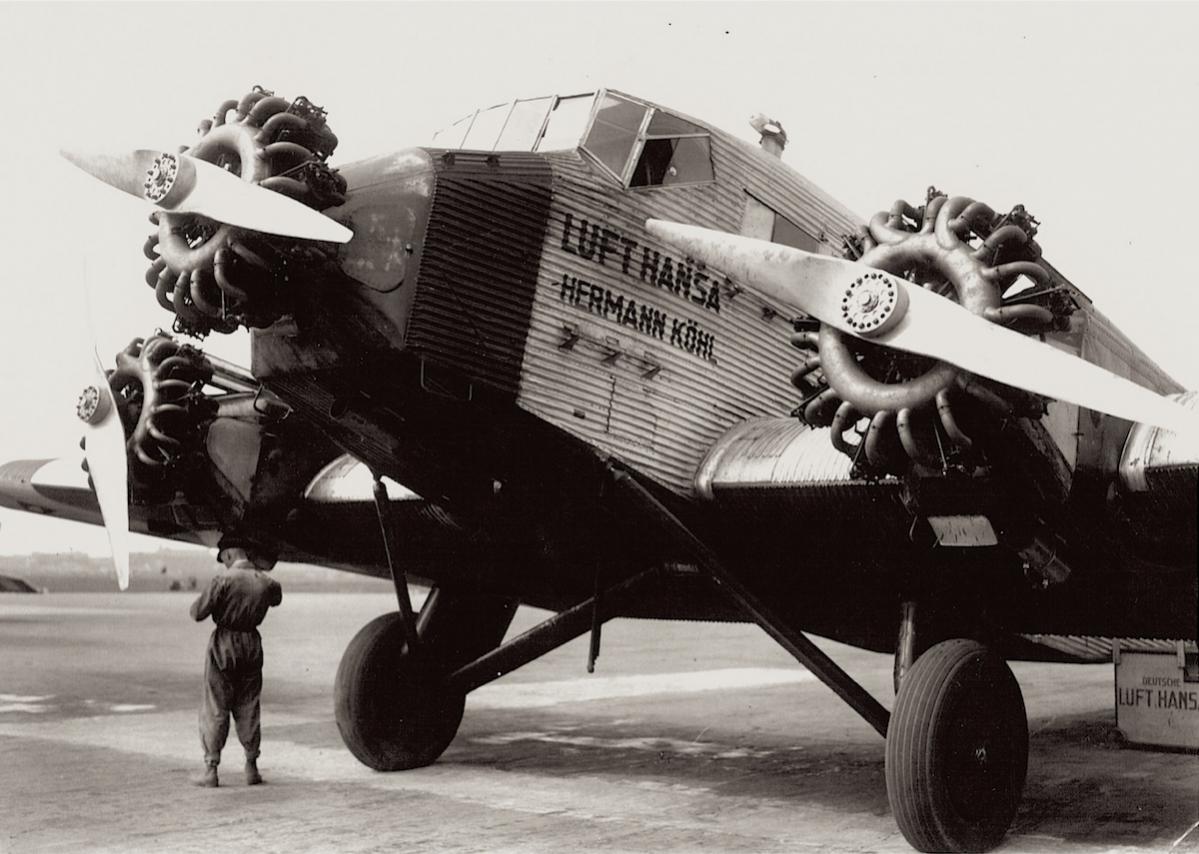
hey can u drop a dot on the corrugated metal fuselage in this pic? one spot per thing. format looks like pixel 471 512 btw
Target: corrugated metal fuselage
pixel 501 323
pixel 530 278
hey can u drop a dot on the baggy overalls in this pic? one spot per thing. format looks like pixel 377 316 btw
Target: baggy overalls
pixel 238 600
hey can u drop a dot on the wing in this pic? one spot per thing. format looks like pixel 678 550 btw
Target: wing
pixel 333 524
pixel 59 488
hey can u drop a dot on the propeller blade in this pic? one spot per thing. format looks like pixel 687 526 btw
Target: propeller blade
pixel 126 171
pixel 178 183
pixel 931 325
pixel 107 464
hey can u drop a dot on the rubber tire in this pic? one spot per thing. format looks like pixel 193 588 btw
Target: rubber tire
pixel 958 697
pixel 388 711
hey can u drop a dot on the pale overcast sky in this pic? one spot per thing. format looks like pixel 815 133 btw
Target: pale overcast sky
pixel 1085 113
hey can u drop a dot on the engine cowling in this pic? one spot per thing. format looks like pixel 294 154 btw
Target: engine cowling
pixel 207 432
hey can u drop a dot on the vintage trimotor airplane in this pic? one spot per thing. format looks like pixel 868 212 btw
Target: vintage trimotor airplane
pixel 633 366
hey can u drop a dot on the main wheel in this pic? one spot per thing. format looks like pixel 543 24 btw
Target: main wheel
pixel 390 711
pixel 957 749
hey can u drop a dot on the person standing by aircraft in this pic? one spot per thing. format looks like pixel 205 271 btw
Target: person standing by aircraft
pixel 237 599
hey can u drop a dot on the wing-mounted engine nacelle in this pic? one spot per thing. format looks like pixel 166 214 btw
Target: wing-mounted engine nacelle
pixel 158 386
pixel 892 412
pixel 204 430
pixel 260 462
pixel 1159 485
pixel 214 277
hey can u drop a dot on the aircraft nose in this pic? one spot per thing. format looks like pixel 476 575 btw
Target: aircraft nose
pixel 388 204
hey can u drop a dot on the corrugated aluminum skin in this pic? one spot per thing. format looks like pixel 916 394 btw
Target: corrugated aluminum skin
pixel 771 466
pixel 1152 452
pixel 479 263
pixel 642 395
pixel 772 452
pixel 1095 649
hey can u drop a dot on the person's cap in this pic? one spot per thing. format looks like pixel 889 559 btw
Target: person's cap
pixel 259 555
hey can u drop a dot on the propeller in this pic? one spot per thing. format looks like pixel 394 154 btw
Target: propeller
pixel 104 450
pixel 871 304
pixel 177 183
pixel 104 447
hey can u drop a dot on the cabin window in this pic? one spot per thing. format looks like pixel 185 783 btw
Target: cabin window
pixel 614 132
pixel 567 122
pixel 789 234
pixel 524 125
pixel 765 223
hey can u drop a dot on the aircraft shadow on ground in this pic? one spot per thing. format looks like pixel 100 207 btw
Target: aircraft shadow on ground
pixel 1075 790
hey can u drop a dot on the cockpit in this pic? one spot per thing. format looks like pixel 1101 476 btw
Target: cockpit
pixel 637 144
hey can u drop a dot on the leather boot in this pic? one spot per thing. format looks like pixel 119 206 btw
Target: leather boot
pixel 253 778
pixel 209 780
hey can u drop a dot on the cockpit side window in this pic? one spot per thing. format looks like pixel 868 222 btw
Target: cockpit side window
pixel 614 132
pixel 679 160
pixel 673 151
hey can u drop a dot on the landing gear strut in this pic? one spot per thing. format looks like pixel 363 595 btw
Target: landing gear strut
pixel 957 740
pixel 399 709
pixel 957 749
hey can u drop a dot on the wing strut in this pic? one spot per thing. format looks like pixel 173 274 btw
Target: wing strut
pixel 787 636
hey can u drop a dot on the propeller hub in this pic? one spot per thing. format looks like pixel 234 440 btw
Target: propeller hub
pixel 92 405
pixel 160 179
pixel 873 303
